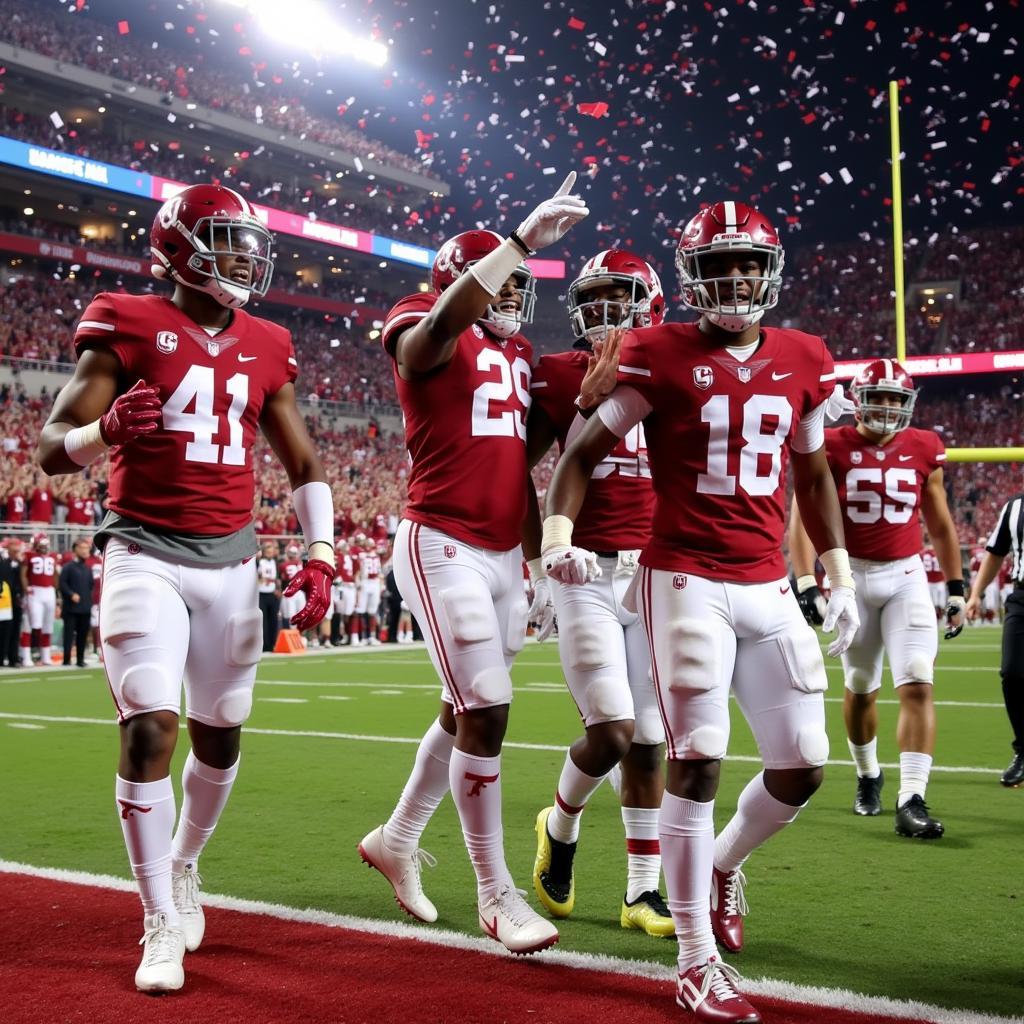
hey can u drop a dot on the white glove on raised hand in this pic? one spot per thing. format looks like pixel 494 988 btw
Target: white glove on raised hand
pixel 542 609
pixel 552 218
pixel 571 565
pixel 841 614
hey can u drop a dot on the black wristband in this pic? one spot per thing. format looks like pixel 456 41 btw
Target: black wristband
pixel 513 237
pixel 954 588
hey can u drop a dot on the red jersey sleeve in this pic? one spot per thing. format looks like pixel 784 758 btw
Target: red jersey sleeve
pixel 548 388
pixel 826 377
pixel 938 457
pixel 291 364
pixel 403 314
pixel 635 363
pixel 100 328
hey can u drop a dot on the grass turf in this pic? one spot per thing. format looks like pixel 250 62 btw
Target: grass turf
pixel 835 900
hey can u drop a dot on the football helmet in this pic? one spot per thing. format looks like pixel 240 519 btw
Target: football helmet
pixel 204 222
pixel 730 227
pixel 883 377
pixel 293 553
pixel 592 319
pixel 463 251
pixel 40 543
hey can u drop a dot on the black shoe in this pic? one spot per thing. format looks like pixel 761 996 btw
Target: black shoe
pixel 913 820
pixel 869 795
pixel 1014 775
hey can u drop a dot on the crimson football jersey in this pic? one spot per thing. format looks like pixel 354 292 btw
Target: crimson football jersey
pixel 40 506
pixel 718 434
pixel 880 489
pixel 932 568
pixel 369 566
pixel 194 474
pixel 289 569
pixel 465 428
pixel 80 511
pixel 617 510
pixel 41 570
pixel 346 572
pixel 16 508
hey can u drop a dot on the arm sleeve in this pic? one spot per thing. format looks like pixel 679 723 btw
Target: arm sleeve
pixel 623 409
pixel 292 365
pixel 100 328
pixel 810 433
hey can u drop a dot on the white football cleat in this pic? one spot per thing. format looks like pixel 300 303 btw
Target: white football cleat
pixel 402 870
pixel 161 969
pixel 185 889
pixel 508 918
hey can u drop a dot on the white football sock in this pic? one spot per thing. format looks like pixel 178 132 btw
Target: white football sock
pixel 643 851
pixel 914 772
pixel 865 757
pixel 758 817
pixel 205 792
pixel 425 789
pixel 575 788
pixel 476 790
pixel 146 810
pixel 687 831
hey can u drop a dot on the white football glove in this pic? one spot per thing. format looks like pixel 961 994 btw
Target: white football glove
pixel 552 218
pixel 571 565
pixel 841 614
pixel 838 405
pixel 955 616
pixel 542 609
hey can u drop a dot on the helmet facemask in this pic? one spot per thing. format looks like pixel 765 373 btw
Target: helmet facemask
pixel 882 418
pixel 592 319
pixel 504 323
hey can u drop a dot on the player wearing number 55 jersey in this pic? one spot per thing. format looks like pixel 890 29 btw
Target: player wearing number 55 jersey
pixel 462 372
pixel 725 403
pixel 888 474
pixel 176 389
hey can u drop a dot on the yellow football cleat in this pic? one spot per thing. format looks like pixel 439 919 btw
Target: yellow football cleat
pixel 552 870
pixel 649 913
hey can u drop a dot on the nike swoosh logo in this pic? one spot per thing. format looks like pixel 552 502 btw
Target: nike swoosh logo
pixel 245 359
pixel 906 458
pixel 781 376
pixel 783 590
pixel 907 572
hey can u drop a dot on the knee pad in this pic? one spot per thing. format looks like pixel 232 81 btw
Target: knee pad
pixel 802 655
pixel 232 708
pixel 917 668
pixel 469 613
pixel 492 686
pixel 243 638
pixel 606 702
pixel 145 685
pixel 648 728
pixel 129 607
pixel 708 741
pixel 585 646
pixel 518 617
pixel 862 680
pixel 812 743
pixel 693 656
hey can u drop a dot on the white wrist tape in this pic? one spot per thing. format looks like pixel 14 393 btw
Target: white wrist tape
pixel 314 509
pixel 85 444
pixel 837 564
pixel 495 268
pixel 557 533
pixel 805 583
pixel 536 567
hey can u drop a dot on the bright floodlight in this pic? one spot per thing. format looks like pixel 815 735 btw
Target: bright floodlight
pixel 306 24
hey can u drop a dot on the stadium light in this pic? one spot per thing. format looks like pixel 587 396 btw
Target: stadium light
pixel 307 25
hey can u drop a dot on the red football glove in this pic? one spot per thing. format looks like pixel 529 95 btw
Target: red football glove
pixel 133 414
pixel 314 580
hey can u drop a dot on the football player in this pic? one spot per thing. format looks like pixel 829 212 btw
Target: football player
pixel 174 390
pixel 725 404
pixel 888 474
pixel 462 372
pixel 604 654
pixel 368 599
pixel 39 585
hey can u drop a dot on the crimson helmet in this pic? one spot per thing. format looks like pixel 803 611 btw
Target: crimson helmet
pixel 40 542
pixel 591 319
pixel 883 377
pixel 730 228
pixel 201 223
pixel 463 251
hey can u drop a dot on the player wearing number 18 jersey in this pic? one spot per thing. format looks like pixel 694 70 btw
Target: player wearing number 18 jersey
pixel 176 389
pixel 725 403
pixel 462 372
pixel 888 474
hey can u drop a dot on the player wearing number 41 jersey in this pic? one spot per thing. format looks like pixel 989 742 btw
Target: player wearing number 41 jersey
pixel 462 372
pixel 725 403
pixel 175 390
pixel 888 474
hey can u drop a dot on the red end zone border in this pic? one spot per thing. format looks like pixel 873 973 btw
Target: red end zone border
pixel 68 953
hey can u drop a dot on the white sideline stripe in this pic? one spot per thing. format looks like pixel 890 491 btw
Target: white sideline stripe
pixel 284 700
pixel 507 745
pixel 24 725
pixel 806 994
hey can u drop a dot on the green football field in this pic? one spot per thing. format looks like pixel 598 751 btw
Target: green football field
pixel 835 900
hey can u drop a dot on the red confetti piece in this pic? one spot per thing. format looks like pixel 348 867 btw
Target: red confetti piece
pixel 123 27
pixel 577 24
pixel 423 138
pixel 244 51
pixel 985 124
pixel 1015 81
pixel 810 118
pixel 599 109
pixel 869 25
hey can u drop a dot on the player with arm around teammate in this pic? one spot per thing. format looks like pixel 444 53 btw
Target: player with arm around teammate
pixel 462 373
pixel 603 650
pixel 723 402
pixel 174 389
pixel 888 474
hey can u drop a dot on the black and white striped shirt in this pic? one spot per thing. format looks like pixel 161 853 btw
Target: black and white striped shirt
pixel 1008 536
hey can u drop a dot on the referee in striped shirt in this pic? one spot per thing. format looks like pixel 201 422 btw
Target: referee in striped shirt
pixel 1007 538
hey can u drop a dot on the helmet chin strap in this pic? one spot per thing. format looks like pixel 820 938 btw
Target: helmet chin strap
pixel 734 322
pixel 499 324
